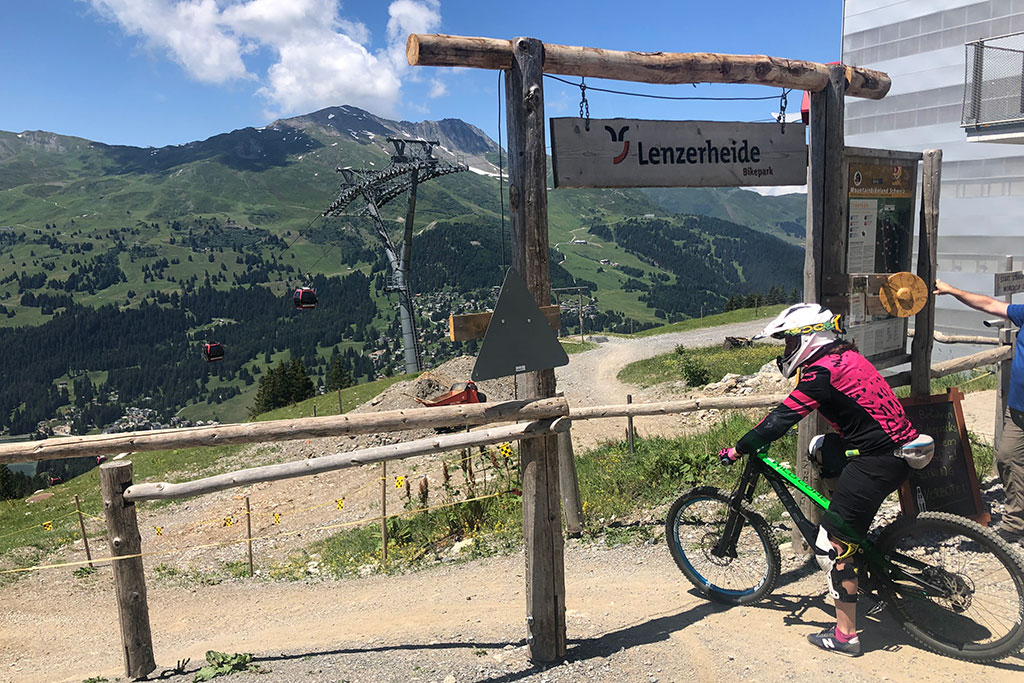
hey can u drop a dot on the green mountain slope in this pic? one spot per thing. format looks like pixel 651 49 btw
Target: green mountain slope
pixel 206 240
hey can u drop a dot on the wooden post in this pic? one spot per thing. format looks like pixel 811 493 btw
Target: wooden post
pixel 826 242
pixel 582 338
pixel 129 579
pixel 314 410
pixel 542 529
pixel 570 486
pixel 927 253
pixel 1006 337
pixel 384 512
pixel 81 525
pixel 629 426
pixel 248 533
pixel 340 410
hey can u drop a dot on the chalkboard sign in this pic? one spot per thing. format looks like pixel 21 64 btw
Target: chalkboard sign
pixel 949 482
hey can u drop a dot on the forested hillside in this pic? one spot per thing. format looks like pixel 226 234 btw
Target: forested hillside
pixel 118 263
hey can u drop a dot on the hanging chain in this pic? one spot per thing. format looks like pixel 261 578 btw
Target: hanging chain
pixel 584 105
pixel 782 110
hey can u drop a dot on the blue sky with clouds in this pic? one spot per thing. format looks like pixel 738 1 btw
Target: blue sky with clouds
pixel 159 72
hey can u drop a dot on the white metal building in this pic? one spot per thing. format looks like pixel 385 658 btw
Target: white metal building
pixel 923 46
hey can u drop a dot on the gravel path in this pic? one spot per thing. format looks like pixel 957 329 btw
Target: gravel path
pixel 590 379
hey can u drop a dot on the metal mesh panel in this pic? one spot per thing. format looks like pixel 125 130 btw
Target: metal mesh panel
pixel 993 91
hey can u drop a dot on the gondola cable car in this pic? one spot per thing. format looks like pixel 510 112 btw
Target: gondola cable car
pixel 213 351
pixel 304 298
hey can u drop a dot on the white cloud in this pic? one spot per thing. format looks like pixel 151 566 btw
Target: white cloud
pixel 319 58
pixel 437 88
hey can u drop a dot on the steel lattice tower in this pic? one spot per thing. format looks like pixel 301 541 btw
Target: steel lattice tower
pixel 412 163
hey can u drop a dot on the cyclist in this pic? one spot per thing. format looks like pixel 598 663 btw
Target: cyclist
pixel 835 379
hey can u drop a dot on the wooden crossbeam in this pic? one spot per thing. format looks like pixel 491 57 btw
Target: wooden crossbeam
pixel 645 67
pixel 474 325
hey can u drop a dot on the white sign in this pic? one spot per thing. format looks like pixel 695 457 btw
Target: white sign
pixel 1009 283
pixel 635 153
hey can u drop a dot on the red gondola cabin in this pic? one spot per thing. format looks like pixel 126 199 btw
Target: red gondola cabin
pixel 213 351
pixel 304 298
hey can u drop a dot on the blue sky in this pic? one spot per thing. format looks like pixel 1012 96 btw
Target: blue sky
pixel 159 72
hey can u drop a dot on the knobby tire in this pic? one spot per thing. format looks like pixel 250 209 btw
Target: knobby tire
pixel 982 616
pixel 695 523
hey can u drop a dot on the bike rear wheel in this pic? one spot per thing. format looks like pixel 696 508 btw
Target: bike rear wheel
pixel 746 572
pixel 975 609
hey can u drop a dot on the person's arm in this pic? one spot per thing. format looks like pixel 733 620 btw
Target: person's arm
pixel 979 302
pixel 804 399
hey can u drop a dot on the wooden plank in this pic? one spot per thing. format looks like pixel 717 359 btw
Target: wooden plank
pixel 645 67
pixel 284 430
pixel 123 539
pixel 675 407
pixel 542 530
pixel 927 255
pixel 569 483
pixel 338 461
pixel 894 154
pixel 638 153
pixel 474 325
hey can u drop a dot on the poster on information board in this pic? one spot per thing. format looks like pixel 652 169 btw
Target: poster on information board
pixel 882 202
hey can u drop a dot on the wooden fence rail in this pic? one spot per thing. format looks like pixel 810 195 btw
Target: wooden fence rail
pixel 328 463
pixel 284 430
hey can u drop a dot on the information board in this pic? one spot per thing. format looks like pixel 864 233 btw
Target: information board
pixel 949 482
pixel 881 196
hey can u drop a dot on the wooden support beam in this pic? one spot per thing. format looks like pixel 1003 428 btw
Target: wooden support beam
pixel 129 578
pixel 285 430
pixel 338 461
pixel 645 67
pixel 927 254
pixel 528 218
pixel 474 325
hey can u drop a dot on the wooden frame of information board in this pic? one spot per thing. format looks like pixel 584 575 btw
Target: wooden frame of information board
pixel 949 483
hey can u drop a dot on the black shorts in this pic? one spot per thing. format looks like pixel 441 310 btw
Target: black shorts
pixel 865 482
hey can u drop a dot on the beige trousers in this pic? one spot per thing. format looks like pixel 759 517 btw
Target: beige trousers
pixel 1009 459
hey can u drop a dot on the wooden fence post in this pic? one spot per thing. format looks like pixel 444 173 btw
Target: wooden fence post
pixel 927 250
pixel 248 533
pixel 340 411
pixel 570 486
pixel 384 512
pixel 129 580
pixel 1006 337
pixel 528 219
pixel 81 525
pixel 629 425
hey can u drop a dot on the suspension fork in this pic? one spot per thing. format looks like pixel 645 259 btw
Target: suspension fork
pixel 726 546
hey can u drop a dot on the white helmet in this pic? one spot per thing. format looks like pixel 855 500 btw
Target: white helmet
pixel 807 328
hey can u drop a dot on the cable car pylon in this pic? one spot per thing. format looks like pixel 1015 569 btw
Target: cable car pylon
pixel 413 162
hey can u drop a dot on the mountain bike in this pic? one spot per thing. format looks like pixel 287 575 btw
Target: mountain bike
pixel 954 585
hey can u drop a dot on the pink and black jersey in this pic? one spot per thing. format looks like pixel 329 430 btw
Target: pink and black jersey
pixel 848 392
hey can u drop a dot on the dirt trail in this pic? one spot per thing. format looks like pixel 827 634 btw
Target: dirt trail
pixel 631 615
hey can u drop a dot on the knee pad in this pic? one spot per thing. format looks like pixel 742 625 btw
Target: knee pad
pixel 828 557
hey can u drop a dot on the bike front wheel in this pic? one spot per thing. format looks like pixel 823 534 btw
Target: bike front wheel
pixel 957 588
pixel 731 573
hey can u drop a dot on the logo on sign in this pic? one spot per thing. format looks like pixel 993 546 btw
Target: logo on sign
pixel 619 137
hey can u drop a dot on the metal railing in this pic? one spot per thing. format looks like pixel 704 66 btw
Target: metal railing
pixel 994 82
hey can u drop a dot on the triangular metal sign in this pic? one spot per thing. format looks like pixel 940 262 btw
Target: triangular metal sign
pixel 518 338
